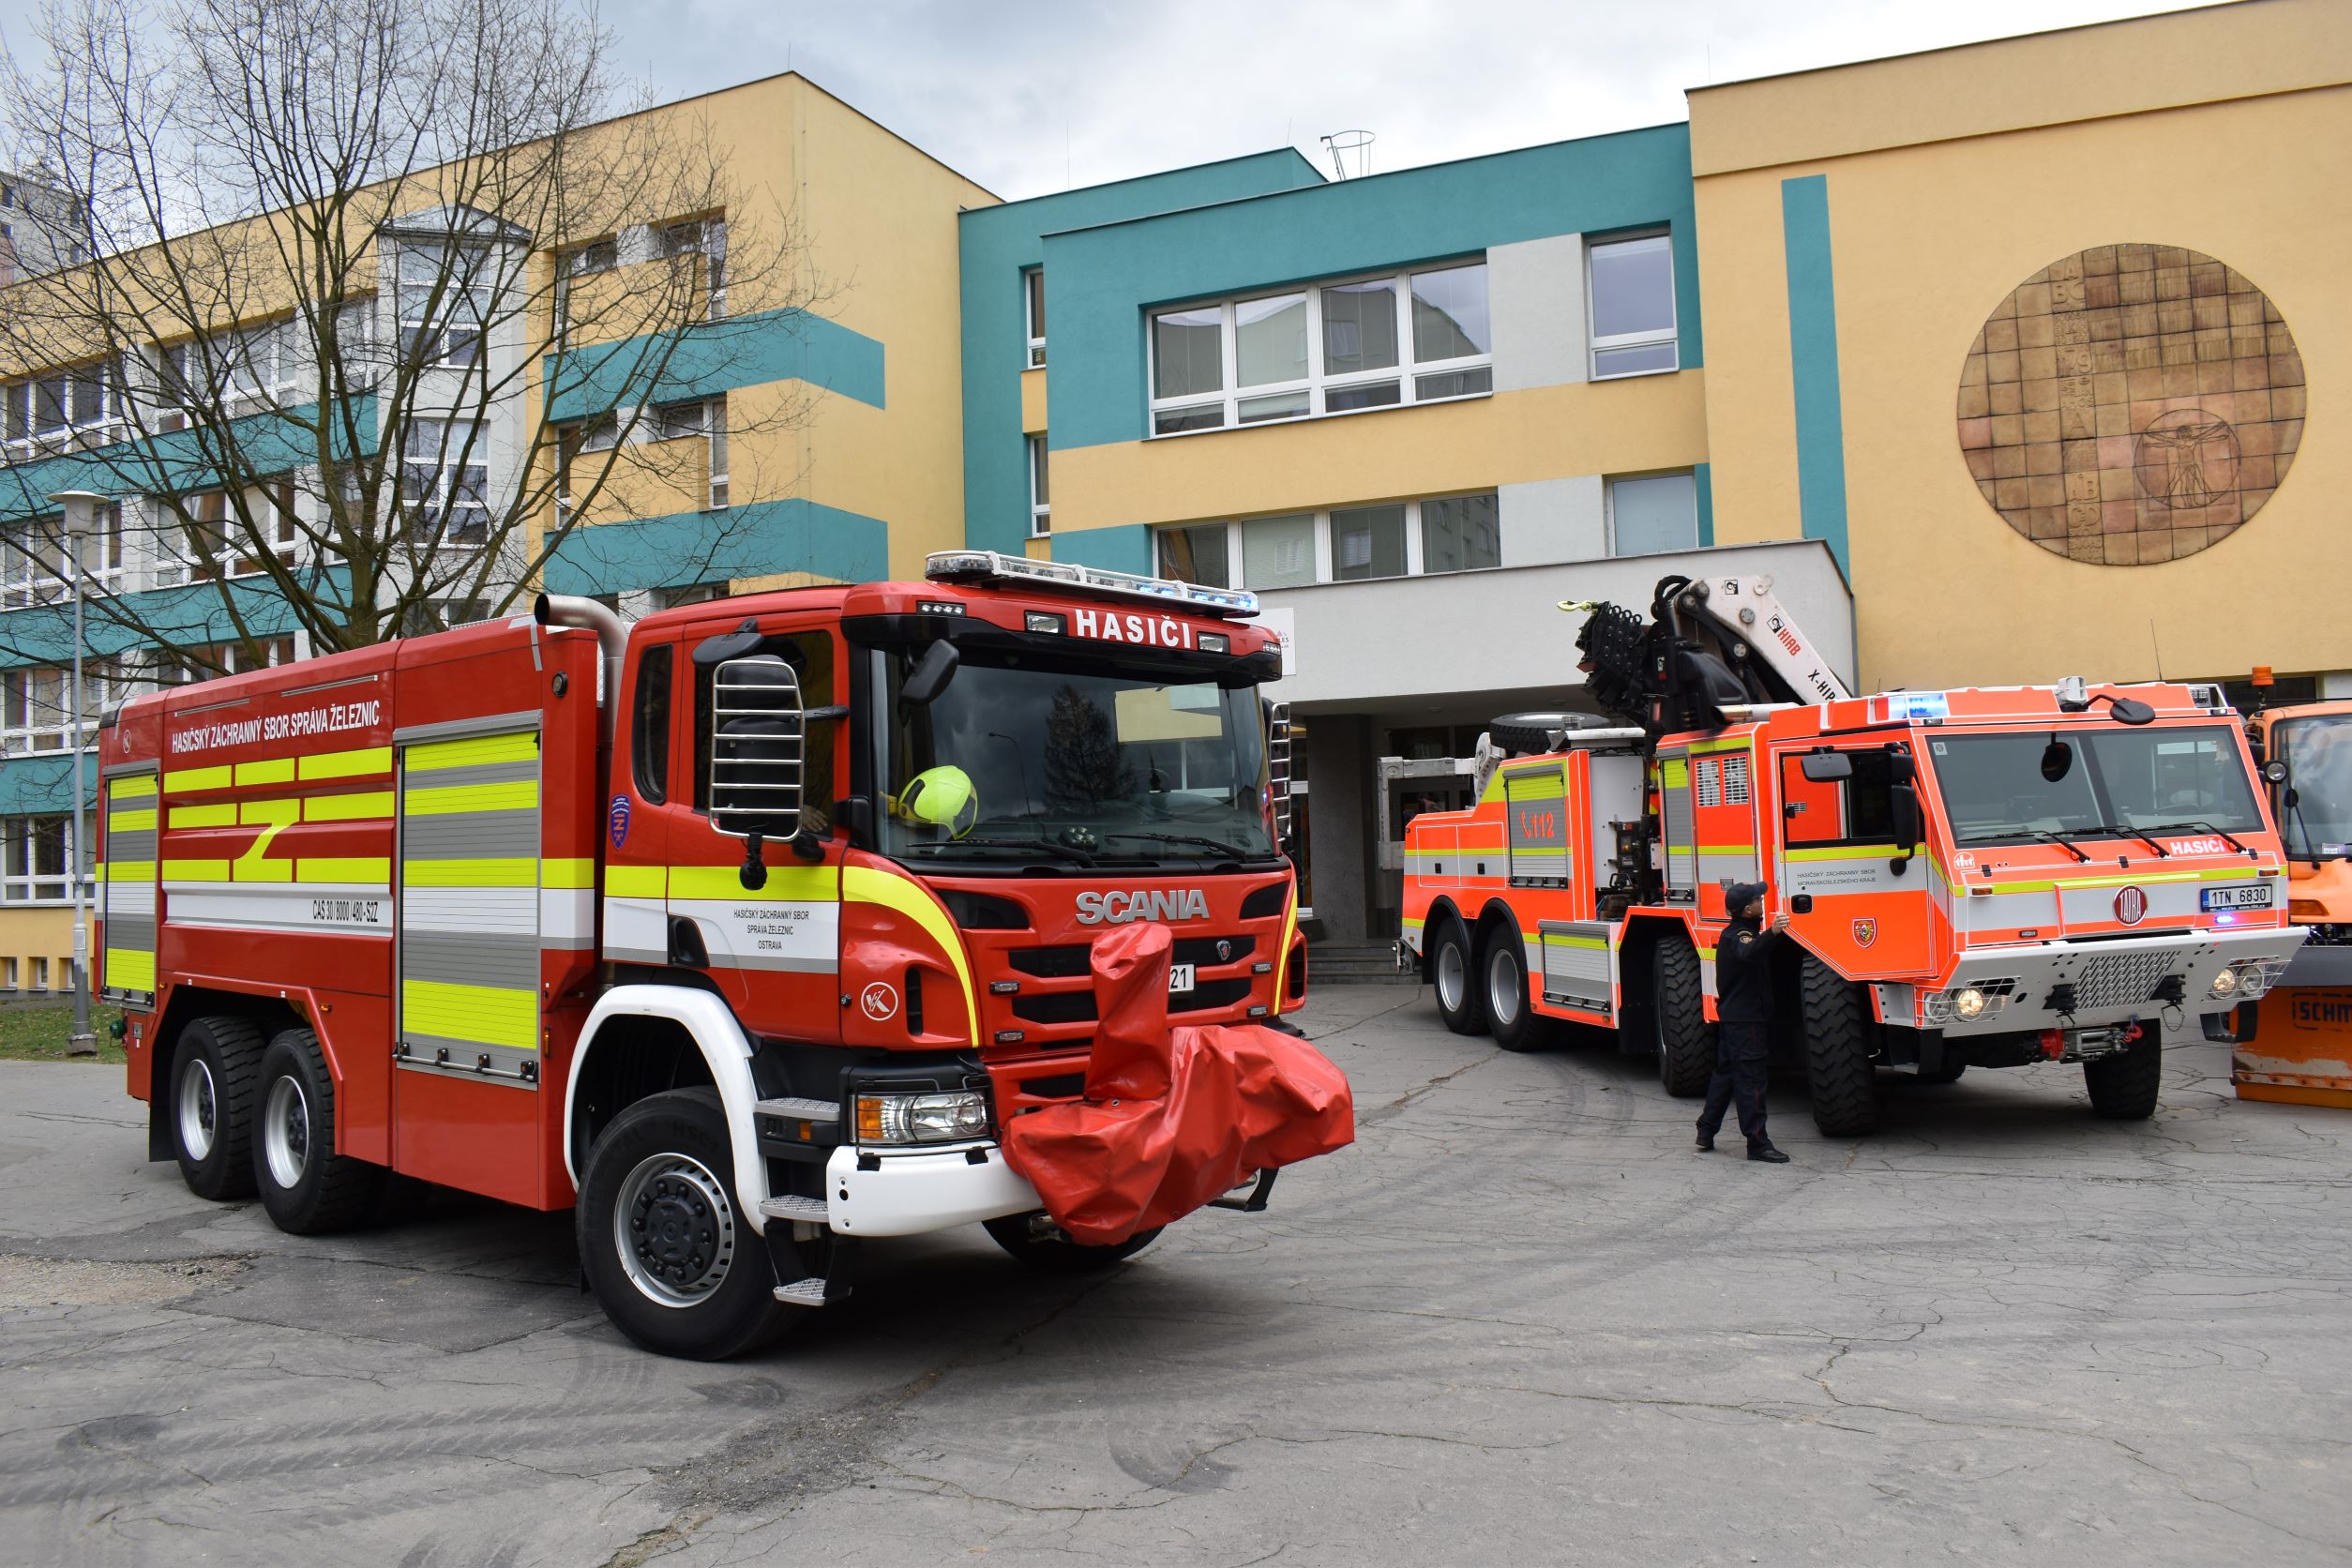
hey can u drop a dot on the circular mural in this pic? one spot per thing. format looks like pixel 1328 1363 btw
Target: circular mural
pixel 2131 403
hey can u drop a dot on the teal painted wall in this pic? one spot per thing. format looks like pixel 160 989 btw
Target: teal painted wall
pixel 44 786
pixel 181 461
pixel 1804 216
pixel 690 548
pixel 997 244
pixel 1116 550
pixel 1103 278
pixel 1703 477
pixel 716 357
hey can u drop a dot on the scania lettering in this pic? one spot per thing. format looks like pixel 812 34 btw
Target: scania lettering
pixel 1973 877
pixel 743 930
pixel 1117 908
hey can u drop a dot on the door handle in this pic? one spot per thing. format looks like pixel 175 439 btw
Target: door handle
pixel 686 945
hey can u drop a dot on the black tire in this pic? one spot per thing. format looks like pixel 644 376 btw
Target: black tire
pixel 1511 1014
pixel 1838 1051
pixel 668 1162
pixel 208 1106
pixel 2123 1084
pixel 1949 1072
pixel 1453 967
pixel 1530 733
pixel 1036 1240
pixel 1678 1012
pixel 307 1188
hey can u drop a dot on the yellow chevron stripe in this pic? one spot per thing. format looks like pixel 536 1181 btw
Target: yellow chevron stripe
pixel 865 885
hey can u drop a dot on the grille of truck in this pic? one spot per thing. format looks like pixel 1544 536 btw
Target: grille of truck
pixel 1079 1006
pixel 2119 979
pixel 1073 962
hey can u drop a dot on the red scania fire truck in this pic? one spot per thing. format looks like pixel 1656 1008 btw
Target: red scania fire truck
pixel 1974 877
pixel 744 928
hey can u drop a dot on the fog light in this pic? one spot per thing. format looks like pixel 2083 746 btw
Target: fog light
pixel 1968 1003
pixel 888 1119
pixel 2226 983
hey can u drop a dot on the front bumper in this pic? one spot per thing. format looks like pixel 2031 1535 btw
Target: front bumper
pixel 2086 984
pixel 921 1189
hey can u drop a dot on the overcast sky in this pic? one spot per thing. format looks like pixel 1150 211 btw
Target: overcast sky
pixel 1032 98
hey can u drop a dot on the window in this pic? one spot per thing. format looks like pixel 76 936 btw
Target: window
pixel 33 868
pixel 715 417
pixel 1196 555
pixel 1654 513
pixel 1040 492
pixel 7 966
pixel 445 297
pixel 217 542
pixel 704 420
pixel 43 413
pixel 40 974
pixel 1279 552
pixel 649 734
pixel 1368 542
pixel 1858 810
pixel 1350 544
pixel 1034 309
pixel 1633 307
pixel 444 483
pixel 1336 348
pixel 703 238
pixel 203 663
pixel 1460 534
pixel 597 255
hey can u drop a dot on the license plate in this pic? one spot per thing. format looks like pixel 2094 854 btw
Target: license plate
pixel 2242 896
pixel 1179 979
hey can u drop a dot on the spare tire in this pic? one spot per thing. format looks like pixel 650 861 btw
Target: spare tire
pixel 1530 734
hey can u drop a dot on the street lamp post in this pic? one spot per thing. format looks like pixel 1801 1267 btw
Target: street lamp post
pixel 81 513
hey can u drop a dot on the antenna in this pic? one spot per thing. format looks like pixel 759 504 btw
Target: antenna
pixel 1347 147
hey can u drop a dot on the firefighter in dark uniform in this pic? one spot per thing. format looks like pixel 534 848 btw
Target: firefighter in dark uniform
pixel 1743 1002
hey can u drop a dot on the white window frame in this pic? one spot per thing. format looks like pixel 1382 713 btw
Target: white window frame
pixel 20 401
pixel 33 541
pixel 457 347
pixel 1033 314
pixel 1608 494
pixel 232 559
pixel 1407 373
pixel 1673 334
pixel 1325 570
pixel 1040 487
pixel 453 459
pixel 705 238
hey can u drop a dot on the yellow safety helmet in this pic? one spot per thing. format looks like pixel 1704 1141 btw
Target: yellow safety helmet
pixel 941 797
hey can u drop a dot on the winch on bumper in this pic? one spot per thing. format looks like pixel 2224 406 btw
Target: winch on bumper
pixel 2089 988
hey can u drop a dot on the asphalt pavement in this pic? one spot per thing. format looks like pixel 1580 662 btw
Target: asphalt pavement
pixel 1519 1323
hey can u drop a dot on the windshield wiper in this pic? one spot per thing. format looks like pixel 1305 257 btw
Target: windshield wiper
pixel 2048 837
pixel 1236 850
pixel 1059 851
pixel 2222 834
pixel 2118 830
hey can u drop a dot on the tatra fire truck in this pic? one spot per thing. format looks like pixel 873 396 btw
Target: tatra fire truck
pixel 1973 877
pixel 744 930
pixel 2296 1044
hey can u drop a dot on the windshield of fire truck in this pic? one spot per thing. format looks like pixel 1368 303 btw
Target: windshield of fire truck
pixel 1092 765
pixel 2092 783
pixel 2317 751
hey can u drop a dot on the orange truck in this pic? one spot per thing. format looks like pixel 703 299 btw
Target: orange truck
pixel 2297 1044
pixel 1974 877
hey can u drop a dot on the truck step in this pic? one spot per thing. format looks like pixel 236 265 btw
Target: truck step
pixel 795 1107
pixel 808 1211
pixel 803 1292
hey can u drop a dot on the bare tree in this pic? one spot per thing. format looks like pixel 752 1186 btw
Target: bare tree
pixel 389 298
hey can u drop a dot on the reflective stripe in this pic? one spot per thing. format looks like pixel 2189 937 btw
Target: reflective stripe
pixel 130 821
pixel 365 806
pixel 469 873
pixel 132 787
pixel 489 1014
pixel 636 882
pixel 195 870
pixel 567 873
pixel 786 884
pixel 268 769
pixel 128 968
pixel 864 884
pixel 197 779
pixel 363 763
pixel 1289 926
pixel 221 815
pixel 432 756
pixel 522 794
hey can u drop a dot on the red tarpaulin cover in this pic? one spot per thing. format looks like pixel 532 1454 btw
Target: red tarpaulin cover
pixel 1172 1116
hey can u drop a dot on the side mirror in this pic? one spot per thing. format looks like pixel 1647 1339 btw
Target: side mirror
pixel 930 674
pixel 1825 767
pixel 2058 761
pixel 2130 710
pixel 1903 815
pixel 756 721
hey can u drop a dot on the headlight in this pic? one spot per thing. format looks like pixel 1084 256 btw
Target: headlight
pixel 2226 983
pixel 1967 1001
pixel 922 1118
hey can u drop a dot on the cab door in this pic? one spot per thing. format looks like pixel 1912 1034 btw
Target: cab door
pixel 1837 852
pixel 773 949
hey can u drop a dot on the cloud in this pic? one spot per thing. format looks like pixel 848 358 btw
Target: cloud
pixel 1035 98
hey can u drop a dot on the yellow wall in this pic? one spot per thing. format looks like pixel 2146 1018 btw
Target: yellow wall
pixel 45 933
pixel 1546 432
pixel 1929 235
